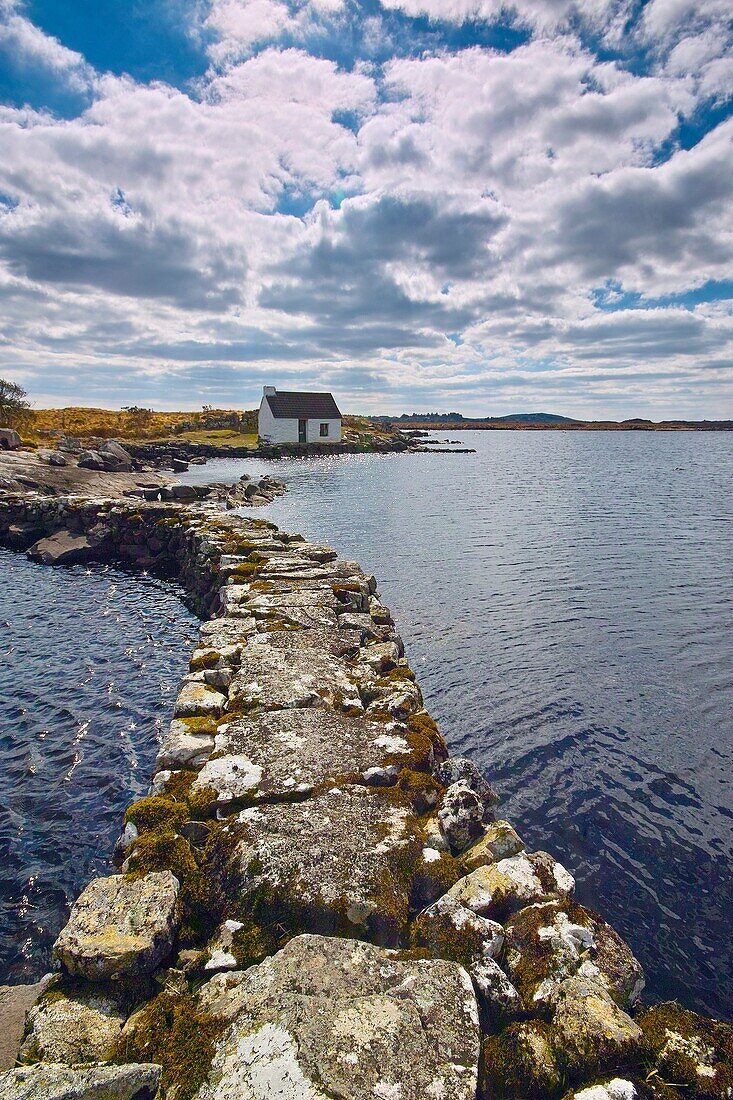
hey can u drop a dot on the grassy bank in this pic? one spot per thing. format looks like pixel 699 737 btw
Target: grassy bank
pixel 222 428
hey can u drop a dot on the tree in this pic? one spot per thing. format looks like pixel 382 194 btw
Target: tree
pixel 14 409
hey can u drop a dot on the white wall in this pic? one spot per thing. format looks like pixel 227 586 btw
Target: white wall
pixel 272 430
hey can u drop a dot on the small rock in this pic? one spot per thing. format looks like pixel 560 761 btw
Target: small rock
pixel 500 841
pixel 120 926
pixel 179 465
pixel 381 656
pixel 460 815
pixel 520 1063
pixel 617 1089
pixel 9 440
pixel 56 1081
pixel 196 700
pixel 460 769
pixel 361 622
pixel 127 837
pixel 71 1030
pixel 498 997
pixel 220 947
pixel 185 747
pixel 197 832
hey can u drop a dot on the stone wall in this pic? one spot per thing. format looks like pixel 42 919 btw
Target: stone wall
pixel 315 900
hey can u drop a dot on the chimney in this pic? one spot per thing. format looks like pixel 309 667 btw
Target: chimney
pixel 268 391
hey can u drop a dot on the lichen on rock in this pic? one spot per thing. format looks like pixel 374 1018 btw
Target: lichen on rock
pixel 331 1017
pixel 120 926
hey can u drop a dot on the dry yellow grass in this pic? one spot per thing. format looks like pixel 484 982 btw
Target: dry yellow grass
pixel 195 427
pixel 121 424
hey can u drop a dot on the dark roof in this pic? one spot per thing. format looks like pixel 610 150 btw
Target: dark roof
pixel 288 405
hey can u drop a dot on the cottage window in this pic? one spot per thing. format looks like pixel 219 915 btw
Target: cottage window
pixel 324 429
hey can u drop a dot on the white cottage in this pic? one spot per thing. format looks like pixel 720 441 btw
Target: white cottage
pixel 289 417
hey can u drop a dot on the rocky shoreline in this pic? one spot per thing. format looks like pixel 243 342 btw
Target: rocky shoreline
pixel 315 900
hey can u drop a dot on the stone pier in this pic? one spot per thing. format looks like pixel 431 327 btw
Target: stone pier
pixel 315 900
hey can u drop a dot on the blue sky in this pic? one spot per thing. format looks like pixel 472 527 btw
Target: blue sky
pixel 420 204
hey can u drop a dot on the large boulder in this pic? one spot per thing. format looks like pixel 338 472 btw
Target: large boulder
pixel 63 548
pixel 351 860
pixel 615 1089
pixel 188 744
pixel 452 931
pixel 120 926
pixel 298 676
pixel 592 1034
pixel 460 816
pixel 502 888
pixel 56 1081
pixel 115 458
pixel 459 769
pixel 9 440
pixel 520 1063
pixel 330 1017
pixel 72 1029
pixel 91 460
pixel 551 941
pixel 500 841
pixel 15 1002
pixel 199 700
pixel 53 458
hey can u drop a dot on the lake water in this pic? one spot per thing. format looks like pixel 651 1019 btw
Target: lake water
pixel 567 602
pixel 90 661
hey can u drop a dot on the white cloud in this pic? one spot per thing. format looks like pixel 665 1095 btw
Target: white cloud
pixel 29 47
pixel 451 235
pixel 240 25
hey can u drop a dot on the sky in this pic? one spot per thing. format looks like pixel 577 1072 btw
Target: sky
pixel 421 205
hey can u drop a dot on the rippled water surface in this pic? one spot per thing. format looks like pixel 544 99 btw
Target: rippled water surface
pixel 90 661
pixel 567 602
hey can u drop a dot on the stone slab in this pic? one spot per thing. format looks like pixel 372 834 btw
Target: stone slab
pixel 274 677
pixel 55 1081
pixel 353 860
pixel 329 1017
pixel 289 752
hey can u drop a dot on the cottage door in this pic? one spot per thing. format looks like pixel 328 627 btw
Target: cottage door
pixel 302 431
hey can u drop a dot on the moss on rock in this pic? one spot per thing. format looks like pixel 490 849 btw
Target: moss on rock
pixel 519 1064
pixel 175 1033
pixel 688 1051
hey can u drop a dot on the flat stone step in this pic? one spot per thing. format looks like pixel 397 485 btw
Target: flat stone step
pixel 330 1017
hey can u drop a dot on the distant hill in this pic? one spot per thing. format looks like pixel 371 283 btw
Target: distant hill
pixel 533 418
pixel 456 417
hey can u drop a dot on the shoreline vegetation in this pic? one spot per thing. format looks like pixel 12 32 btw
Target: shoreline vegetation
pixel 315 898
